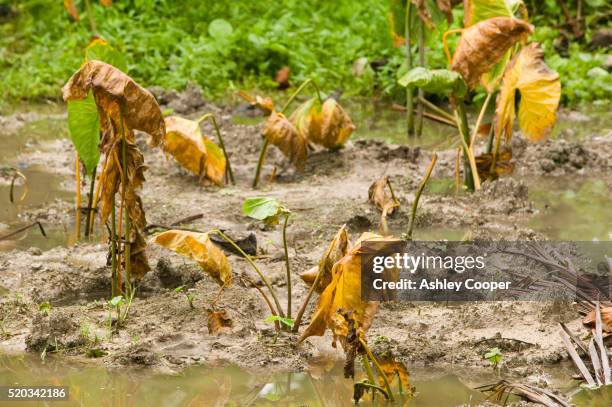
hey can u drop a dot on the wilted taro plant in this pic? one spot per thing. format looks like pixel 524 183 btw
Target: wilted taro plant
pixel 492 52
pixel 318 121
pixel 122 106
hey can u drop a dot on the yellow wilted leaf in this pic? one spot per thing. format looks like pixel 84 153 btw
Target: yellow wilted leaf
pixel 393 369
pixel 336 250
pixel 106 3
pixel 194 151
pixel 199 247
pixel 307 119
pixel 218 322
pixel 282 133
pixel 266 104
pixel 378 195
pixel 72 10
pixel 476 11
pixel 343 294
pixel 484 44
pixel 503 164
pixel 540 90
pixel 336 125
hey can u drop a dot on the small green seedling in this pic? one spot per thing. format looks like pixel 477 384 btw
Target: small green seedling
pixel 45 307
pixel 115 303
pixel 190 297
pixel 494 356
pixel 284 321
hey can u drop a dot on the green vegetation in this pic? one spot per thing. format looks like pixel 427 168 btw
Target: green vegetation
pixel 223 46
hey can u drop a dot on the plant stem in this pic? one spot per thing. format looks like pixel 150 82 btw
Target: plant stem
pixel 470 177
pixel 277 326
pixel 421 43
pixel 298 90
pixel 92 23
pixel 262 157
pixel 417 197
pixel 300 314
pixel 211 117
pixel 90 212
pixel 287 265
pixel 409 90
pixel 252 263
pixel 483 109
pixel 495 153
pixel 438 110
pixel 78 196
pixel 113 240
pixel 127 245
pixel 381 373
pixel 367 367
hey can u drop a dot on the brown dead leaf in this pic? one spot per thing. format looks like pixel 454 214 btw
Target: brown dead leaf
pixel 194 151
pixel 446 7
pixel 606 319
pixel 219 322
pixel 282 77
pixel 336 250
pixel 540 90
pixel 282 133
pixel 343 294
pixel 394 369
pixel 379 196
pixel 265 104
pixel 336 125
pixel 503 164
pixel 484 44
pixel 72 10
pixel 199 247
pixel 117 95
pixel 423 12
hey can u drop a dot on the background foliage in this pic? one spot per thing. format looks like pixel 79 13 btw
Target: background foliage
pixel 222 46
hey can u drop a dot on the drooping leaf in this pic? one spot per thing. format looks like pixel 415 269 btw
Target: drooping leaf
pixel 540 90
pixel 503 164
pixel 394 369
pixel 84 128
pixel 280 132
pixel 265 104
pixel 265 209
pixel 439 81
pixel 484 44
pixel 199 247
pixel 218 322
pixel 336 125
pixel 194 151
pixel 476 11
pixel 336 250
pixel 306 119
pixel 343 295
pixel 220 29
pixel 72 10
pixel 117 94
pixel 123 106
pixel 379 196
pixel 100 50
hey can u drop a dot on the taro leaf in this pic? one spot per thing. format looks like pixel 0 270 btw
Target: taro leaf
pixel 344 294
pixel 484 44
pixel 378 195
pixel 199 247
pixel 283 134
pixel 265 104
pixel 439 81
pixel 72 10
pixel 218 322
pixel 220 29
pixel 476 11
pixel 336 250
pixel 84 127
pixel 393 369
pixel 194 151
pixel 100 50
pixel 540 91
pixel 265 209
pixel 306 119
pixel 503 164
pixel 117 95
pixel 431 12
pixel 336 125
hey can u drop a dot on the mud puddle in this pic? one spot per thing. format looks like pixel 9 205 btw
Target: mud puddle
pixel 321 384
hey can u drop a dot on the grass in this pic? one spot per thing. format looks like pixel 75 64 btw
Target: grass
pixel 170 45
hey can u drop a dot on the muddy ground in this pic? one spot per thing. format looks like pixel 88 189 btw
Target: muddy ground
pixel 164 333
